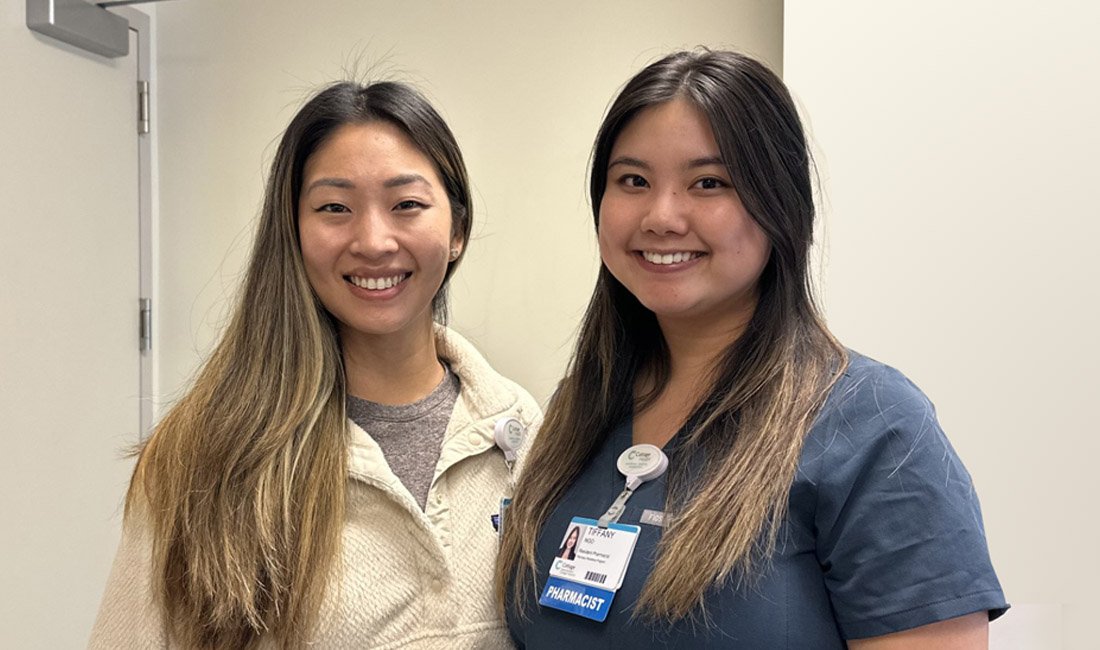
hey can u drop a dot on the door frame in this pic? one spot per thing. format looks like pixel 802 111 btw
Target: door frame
pixel 94 28
pixel 141 25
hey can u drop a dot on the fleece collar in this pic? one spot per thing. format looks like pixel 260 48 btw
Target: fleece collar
pixel 484 397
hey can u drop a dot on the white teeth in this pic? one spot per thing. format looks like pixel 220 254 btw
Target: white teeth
pixel 668 258
pixel 377 284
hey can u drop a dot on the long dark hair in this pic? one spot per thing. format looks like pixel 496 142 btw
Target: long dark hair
pixel 243 482
pixel 575 530
pixel 766 387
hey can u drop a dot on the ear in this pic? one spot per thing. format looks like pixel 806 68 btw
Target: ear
pixel 457 246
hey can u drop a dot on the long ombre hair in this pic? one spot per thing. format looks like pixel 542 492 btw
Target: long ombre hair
pixel 765 389
pixel 243 482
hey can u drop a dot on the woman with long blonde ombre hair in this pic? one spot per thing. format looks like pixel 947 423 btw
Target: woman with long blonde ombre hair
pixel 312 486
pixel 810 498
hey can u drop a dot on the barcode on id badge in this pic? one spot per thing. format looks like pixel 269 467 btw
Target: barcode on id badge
pixel 595 577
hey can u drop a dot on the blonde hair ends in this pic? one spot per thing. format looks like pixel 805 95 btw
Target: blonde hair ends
pixel 764 391
pixel 243 484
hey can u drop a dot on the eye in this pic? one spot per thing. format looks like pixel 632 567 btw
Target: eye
pixel 711 183
pixel 409 205
pixel 633 181
pixel 335 208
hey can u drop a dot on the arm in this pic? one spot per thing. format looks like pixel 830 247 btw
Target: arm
pixel 129 616
pixel 970 632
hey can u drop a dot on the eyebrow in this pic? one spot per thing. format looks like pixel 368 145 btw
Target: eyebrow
pixel 706 162
pixel 345 184
pixel 341 183
pixel 691 164
pixel 405 179
pixel 627 160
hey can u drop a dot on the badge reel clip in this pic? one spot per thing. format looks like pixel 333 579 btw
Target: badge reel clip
pixel 638 464
pixel 508 435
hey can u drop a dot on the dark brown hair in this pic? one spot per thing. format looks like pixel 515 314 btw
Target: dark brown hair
pixel 765 389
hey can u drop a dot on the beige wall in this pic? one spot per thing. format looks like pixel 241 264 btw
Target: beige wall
pixel 69 360
pixel 957 144
pixel 523 85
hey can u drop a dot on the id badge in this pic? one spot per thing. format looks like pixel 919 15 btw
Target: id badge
pixel 498 518
pixel 589 568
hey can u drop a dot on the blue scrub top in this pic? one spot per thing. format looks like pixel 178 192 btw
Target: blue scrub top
pixel 883 533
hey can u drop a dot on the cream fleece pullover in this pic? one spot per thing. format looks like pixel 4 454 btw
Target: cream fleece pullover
pixel 408 578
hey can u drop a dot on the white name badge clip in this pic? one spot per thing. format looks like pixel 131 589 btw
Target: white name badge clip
pixel 639 464
pixel 508 435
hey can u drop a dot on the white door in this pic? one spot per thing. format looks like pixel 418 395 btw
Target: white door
pixel 69 358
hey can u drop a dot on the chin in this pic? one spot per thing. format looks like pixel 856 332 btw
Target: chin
pixel 663 308
pixel 388 324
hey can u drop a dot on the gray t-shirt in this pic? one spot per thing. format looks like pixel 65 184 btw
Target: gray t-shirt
pixel 410 435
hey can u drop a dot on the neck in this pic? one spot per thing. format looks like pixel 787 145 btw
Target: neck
pixel 694 349
pixel 398 368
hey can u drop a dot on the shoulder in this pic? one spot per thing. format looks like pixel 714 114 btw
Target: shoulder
pixel 486 391
pixel 870 401
pixel 896 522
pixel 128 614
pixel 877 423
pixel 871 389
pixel 485 394
pixel 877 438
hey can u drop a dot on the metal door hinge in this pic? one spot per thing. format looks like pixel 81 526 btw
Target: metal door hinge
pixel 143 107
pixel 146 325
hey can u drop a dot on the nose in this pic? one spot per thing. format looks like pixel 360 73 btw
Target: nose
pixel 373 236
pixel 667 213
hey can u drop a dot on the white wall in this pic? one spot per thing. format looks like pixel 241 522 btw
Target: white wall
pixel 69 360
pixel 958 149
pixel 957 145
pixel 523 85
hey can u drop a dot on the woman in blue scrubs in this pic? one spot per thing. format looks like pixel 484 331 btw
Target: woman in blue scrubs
pixel 810 500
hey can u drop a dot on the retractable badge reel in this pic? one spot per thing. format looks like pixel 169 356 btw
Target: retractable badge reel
pixel 639 464
pixel 508 434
